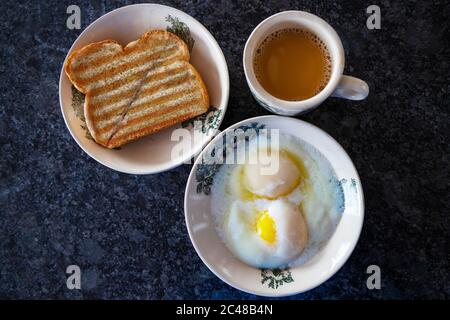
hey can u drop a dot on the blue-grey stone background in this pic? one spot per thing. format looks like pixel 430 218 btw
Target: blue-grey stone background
pixel 127 233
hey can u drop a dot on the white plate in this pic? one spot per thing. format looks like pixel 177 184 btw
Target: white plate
pixel 320 267
pixel 151 154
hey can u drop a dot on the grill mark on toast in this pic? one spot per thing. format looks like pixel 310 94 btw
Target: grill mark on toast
pixel 151 97
pixel 107 51
pixel 168 110
pixel 178 93
pixel 165 77
pixel 177 98
pixel 80 66
pixel 110 103
pixel 145 62
pixel 166 83
pixel 99 82
pixel 116 85
pixel 124 112
pixel 113 50
pixel 116 107
pixel 96 68
pixel 164 102
pixel 146 129
pixel 171 73
pixel 105 105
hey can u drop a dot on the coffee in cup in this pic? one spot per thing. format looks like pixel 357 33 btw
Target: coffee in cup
pixel 294 60
pixel 292 64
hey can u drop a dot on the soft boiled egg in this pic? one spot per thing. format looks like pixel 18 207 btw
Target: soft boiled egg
pixel 282 175
pixel 274 178
pixel 278 211
pixel 266 238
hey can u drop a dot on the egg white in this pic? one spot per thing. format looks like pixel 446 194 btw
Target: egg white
pixel 316 197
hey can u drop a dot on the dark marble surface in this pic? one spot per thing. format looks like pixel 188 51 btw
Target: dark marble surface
pixel 59 207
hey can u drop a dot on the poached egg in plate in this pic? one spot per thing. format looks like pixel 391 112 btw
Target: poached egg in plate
pixel 273 216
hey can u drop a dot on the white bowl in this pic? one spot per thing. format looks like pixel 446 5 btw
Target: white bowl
pixel 150 154
pixel 315 271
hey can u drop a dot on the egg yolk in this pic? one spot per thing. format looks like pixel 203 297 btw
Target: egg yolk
pixel 265 227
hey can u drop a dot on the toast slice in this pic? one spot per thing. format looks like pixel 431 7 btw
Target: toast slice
pixel 165 98
pixel 133 91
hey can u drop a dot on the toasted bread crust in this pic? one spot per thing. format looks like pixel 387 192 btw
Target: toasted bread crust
pixel 93 47
pixel 111 77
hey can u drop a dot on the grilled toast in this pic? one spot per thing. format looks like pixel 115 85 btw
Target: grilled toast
pixel 134 91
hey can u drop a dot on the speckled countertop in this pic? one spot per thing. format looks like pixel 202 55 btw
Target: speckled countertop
pixel 127 233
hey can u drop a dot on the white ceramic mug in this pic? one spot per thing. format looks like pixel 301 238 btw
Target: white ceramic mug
pixel 339 85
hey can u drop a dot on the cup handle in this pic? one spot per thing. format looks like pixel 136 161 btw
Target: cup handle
pixel 351 88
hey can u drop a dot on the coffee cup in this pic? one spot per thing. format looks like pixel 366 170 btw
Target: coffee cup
pixel 338 85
